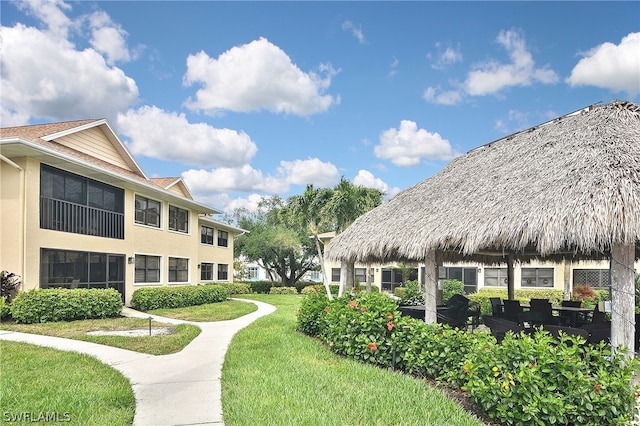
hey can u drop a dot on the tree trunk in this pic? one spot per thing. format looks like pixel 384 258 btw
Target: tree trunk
pixel 430 286
pixel 622 297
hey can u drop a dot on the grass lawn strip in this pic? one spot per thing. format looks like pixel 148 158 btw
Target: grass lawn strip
pixel 274 375
pixel 38 382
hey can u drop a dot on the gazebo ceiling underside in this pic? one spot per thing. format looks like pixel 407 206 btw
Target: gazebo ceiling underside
pixel 567 189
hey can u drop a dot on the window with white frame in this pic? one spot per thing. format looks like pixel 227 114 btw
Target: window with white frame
pixel 147 211
pixel 360 274
pixel 178 219
pixel 537 277
pixel 178 270
pixel 252 272
pixel 495 277
pixel 223 272
pixel 223 238
pixel 335 275
pixel 206 235
pixel 147 269
pixel 206 271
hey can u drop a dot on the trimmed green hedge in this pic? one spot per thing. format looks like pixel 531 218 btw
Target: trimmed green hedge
pixel 526 380
pixel 283 290
pixel 236 288
pixel 148 298
pixel 56 304
pixel 524 296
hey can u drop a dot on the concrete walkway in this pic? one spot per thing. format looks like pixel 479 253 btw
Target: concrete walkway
pixel 177 389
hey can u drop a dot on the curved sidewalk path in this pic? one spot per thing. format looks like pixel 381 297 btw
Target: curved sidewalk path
pixel 176 389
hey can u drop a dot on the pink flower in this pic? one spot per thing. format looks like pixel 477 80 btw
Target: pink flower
pixel 363 309
pixel 390 325
pixel 353 304
pixel 373 347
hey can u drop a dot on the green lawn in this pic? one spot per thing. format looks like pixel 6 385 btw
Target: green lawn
pixel 74 389
pixel 274 375
pixel 222 311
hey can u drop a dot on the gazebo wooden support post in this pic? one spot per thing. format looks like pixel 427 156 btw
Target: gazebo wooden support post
pixel 511 292
pixel 622 296
pixel 431 287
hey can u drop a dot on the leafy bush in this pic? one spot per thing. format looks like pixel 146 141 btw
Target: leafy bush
pixel 584 293
pixel 283 290
pixel 316 288
pixel 236 288
pixel 537 380
pixel 261 287
pixel 412 294
pixel 4 308
pixel 48 305
pixel 525 380
pixel 148 298
pixel 311 311
pixel 451 287
pixel 9 283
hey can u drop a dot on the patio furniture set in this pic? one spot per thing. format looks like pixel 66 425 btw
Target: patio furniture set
pixel 572 319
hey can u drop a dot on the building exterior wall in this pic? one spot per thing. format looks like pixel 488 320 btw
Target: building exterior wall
pixel 22 240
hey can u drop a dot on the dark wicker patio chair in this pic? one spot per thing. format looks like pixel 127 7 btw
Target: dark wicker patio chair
pixel 500 327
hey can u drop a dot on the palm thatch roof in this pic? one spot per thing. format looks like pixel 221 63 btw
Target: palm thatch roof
pixel 566 189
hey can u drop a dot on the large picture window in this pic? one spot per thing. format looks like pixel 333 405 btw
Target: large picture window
pixel 76 204
pixel 537 277
pixel 147 269
pixel 147 212
pixel 81 269
pixel 178 219
pixel 178 270
pixel 495 277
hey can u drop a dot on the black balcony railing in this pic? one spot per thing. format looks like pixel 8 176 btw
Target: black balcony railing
pixel 79 219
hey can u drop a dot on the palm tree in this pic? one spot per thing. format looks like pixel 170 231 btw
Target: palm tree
pixel 308 208
pixel 347 203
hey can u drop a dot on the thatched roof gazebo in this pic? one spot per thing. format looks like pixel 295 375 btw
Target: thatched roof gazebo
pixel 566 189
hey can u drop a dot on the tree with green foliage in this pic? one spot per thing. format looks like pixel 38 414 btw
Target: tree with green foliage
pixel 307 209
pixel 278 245
pixel 347 203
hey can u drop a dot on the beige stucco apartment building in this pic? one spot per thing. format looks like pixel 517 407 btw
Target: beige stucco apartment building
pixel 78 211
pixel 535 275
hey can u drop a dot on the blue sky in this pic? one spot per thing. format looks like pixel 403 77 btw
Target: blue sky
pixel 248 99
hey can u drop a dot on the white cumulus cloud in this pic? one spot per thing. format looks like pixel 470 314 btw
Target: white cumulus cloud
pixel 45 75
pixel 205 184
pixel 492 76
pixel 310 171
pixel 611 66
pixel 169 136
pixel 255 76
pixel 367 179
pixel 408 145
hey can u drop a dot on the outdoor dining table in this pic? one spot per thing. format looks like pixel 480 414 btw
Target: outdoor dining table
pixel 572 311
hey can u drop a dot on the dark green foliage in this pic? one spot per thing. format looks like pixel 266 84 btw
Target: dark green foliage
pixel 283 290
pixel 528 380
pixel 451 287
pixel 412 294
pixel 145 299
pixel 261 287
pixel 4 308
pixel 35 306
pixel 236 288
